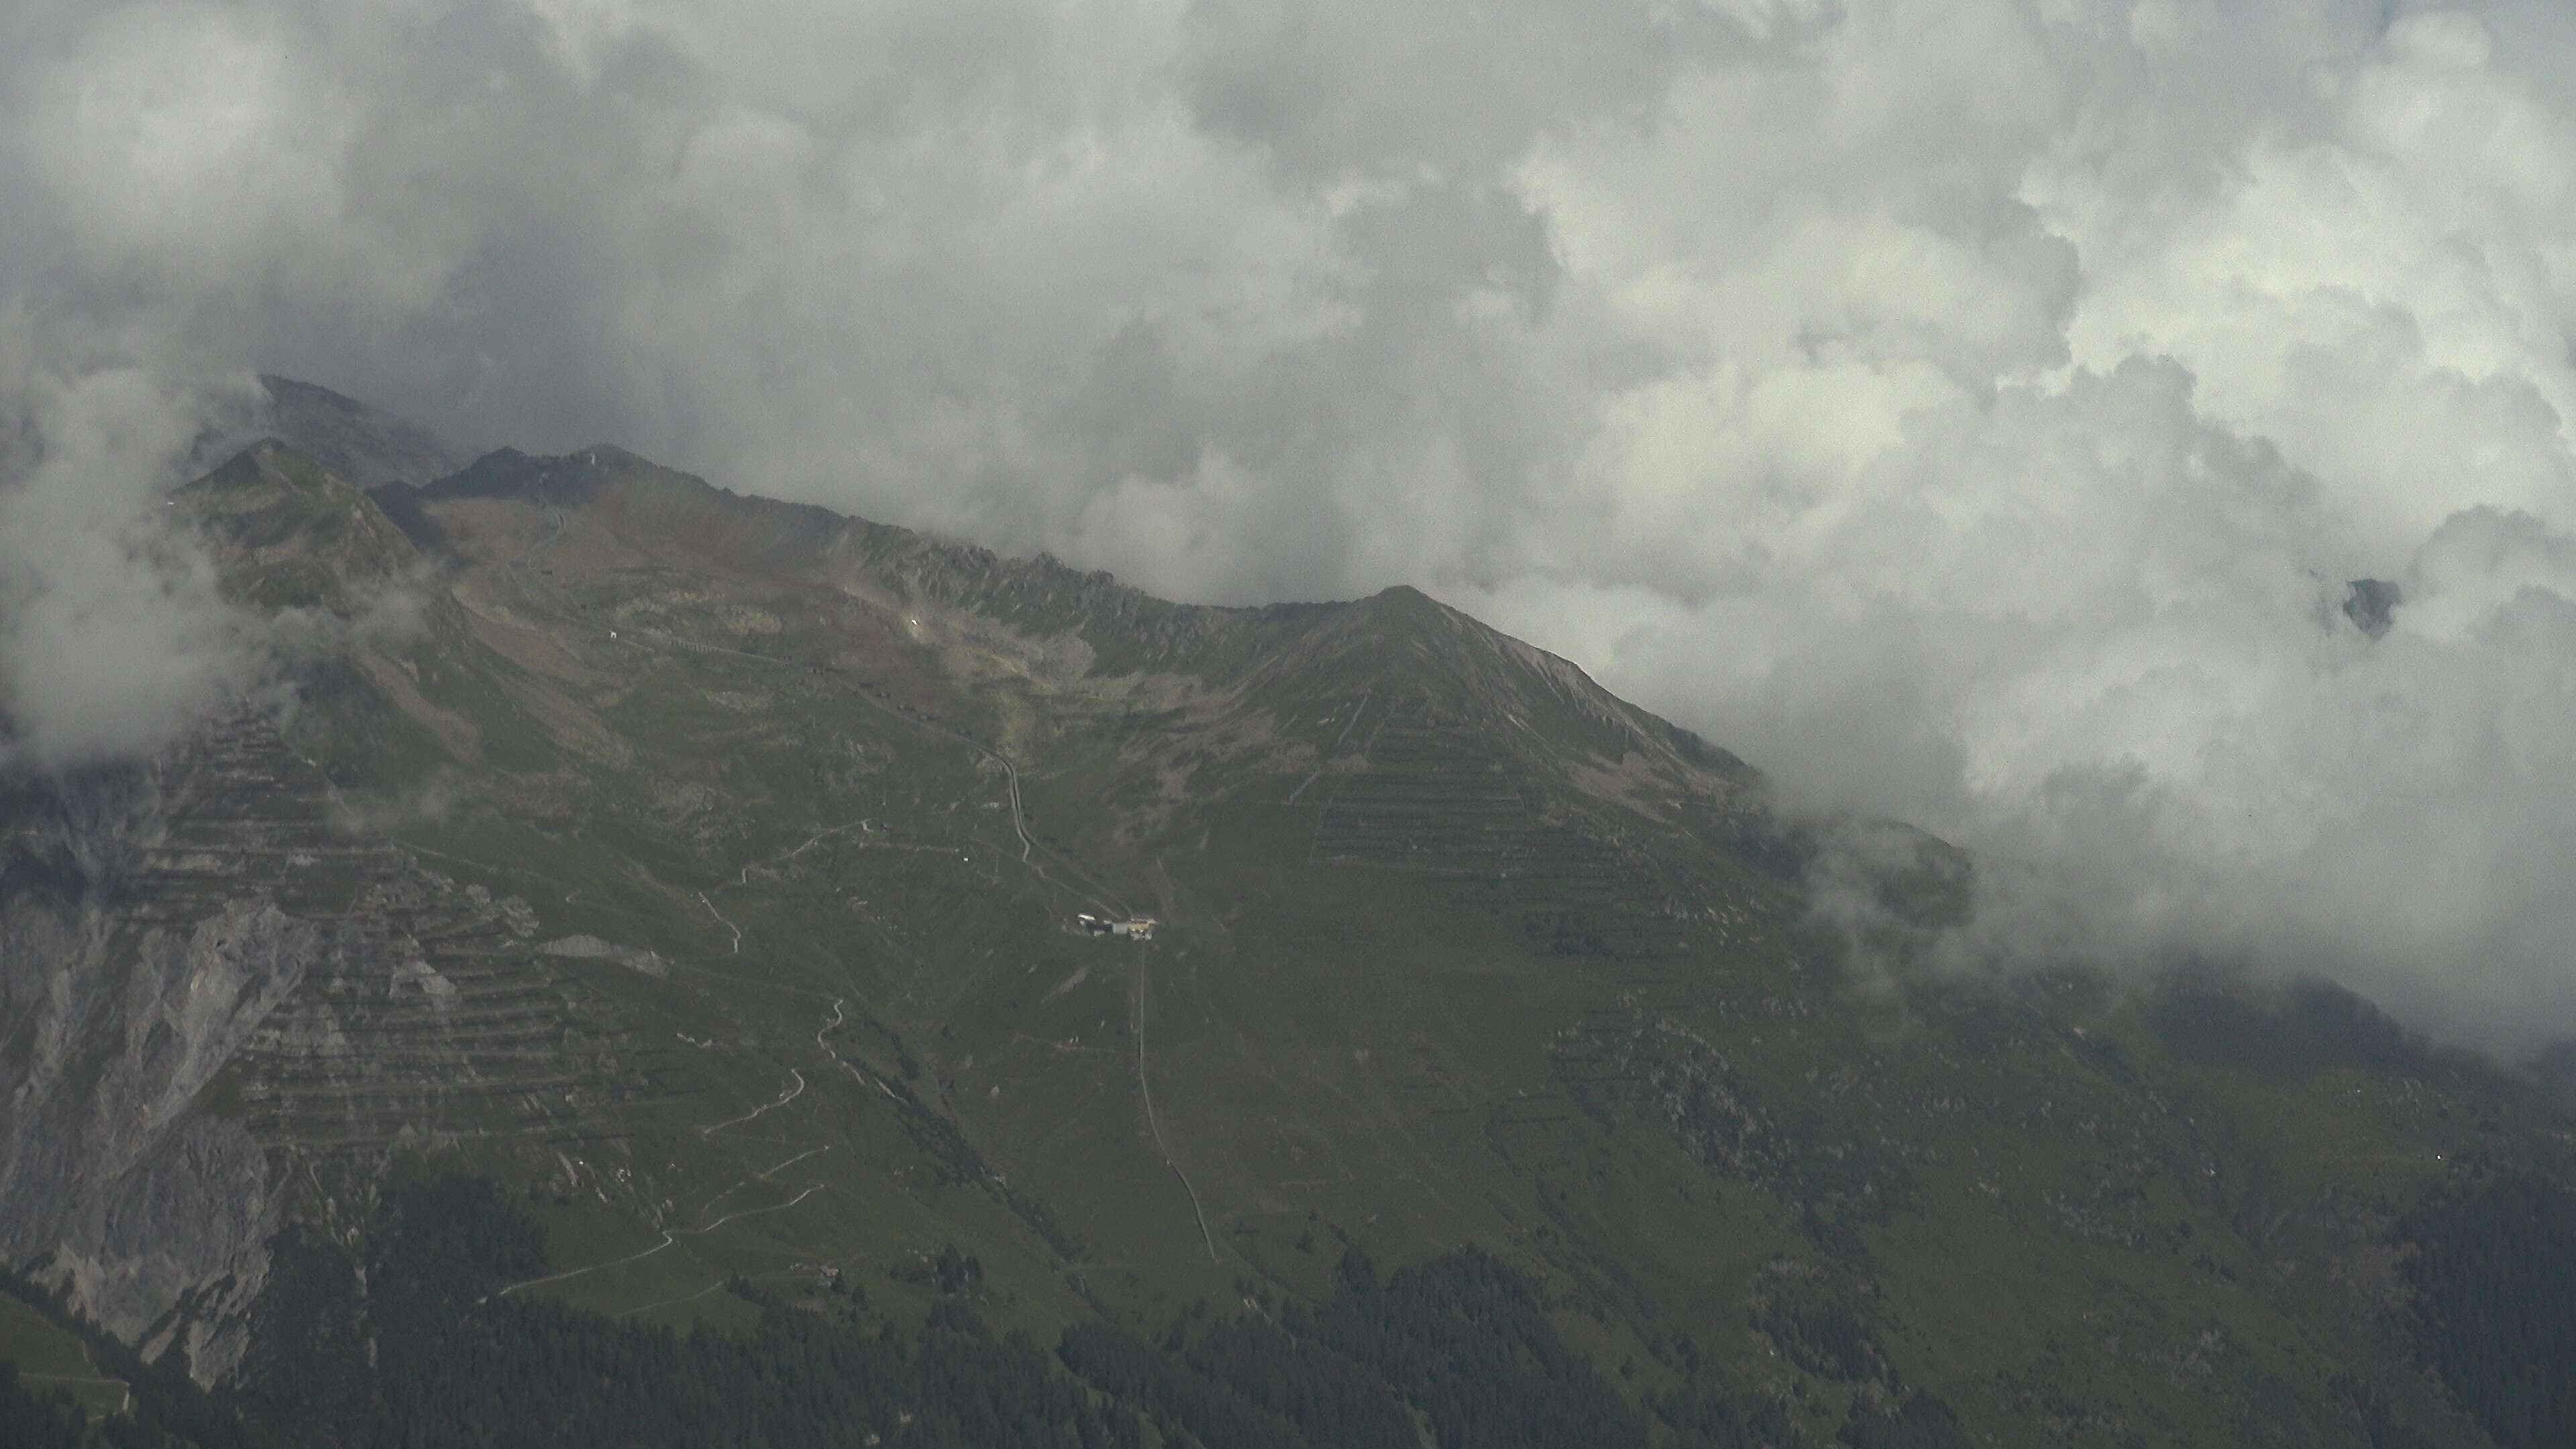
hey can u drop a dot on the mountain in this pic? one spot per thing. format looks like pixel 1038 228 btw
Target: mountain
pixel 348 438
pixel 636 904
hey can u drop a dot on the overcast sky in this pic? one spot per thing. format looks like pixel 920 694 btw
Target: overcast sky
pixel 1968 410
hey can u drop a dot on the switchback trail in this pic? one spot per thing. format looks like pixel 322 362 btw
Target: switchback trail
pixel 743 879
pixel 672 1235
pixel 669 1236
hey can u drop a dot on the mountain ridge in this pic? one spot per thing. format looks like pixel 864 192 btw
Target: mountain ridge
pixel 729 857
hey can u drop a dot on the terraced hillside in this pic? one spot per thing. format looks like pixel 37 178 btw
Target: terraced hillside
pixel 703 872
pixel 425 1009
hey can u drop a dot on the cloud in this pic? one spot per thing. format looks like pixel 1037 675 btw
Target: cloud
pixel 1971 411
pixel 112 635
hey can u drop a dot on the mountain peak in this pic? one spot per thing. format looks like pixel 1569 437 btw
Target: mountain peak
pixel 687 842
pixel 288 532
pixel 1399 596
pixel 362 444
pixel 1403 604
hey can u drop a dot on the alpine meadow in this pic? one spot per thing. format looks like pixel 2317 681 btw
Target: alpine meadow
pixel 1211 724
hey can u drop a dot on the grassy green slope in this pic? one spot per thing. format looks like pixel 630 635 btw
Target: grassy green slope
pixel 52 1358
pixel 1456 947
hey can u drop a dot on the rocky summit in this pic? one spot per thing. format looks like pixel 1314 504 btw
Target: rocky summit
pixel 655 965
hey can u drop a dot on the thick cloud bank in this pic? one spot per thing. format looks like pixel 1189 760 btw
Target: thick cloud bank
pixel 1970 410
pixel 112 634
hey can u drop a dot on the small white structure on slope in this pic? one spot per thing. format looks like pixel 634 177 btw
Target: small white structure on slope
pixel 1139 927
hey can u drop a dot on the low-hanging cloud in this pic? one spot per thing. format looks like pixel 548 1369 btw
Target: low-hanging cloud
pixel 113 634
pixel 1970 411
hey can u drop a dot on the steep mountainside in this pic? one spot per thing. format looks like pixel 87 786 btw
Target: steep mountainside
pixel 707 874
pixel 351 440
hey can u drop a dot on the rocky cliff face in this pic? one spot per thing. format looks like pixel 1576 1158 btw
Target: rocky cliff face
pixel 209 990
pixel 123 1004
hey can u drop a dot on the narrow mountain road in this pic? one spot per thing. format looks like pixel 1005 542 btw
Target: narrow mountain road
pixel 1348 724
pixel 764 1175
pixel 1090 893
pixel 840 1010
pixel 1153 1124
pixel 1019 817
pixel 517 566
pixel 743 879
pixel 722 919
pixel 790 1095
pixel 1338 741
pixel 669 1237
pixel 675 1302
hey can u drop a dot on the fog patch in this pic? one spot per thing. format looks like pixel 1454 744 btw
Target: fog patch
pixel 113 636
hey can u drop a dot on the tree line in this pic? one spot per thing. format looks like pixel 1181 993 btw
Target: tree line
pixel 405 1343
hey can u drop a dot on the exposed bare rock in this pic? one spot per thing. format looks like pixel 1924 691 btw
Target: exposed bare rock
pixel 593 948
pixel 207 990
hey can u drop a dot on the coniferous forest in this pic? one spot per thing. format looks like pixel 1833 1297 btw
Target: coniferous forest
pixel 2493 1276
pixel 407 1347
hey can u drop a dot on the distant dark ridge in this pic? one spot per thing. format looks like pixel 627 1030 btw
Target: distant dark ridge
pixel 403 466
pixel 289 532
pixel 1399 641
pixel 2371 605
pixel 662 508
pixel 354 441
